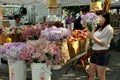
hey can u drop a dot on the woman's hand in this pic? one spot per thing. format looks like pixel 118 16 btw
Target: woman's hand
pixel 90 34
pixel 98 41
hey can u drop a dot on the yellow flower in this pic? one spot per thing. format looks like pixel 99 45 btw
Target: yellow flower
pixel 9 40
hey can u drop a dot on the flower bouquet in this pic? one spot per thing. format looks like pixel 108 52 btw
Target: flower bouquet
pixel 12 51
pixel 90 20
pixel 31 33
pixel 55 34
pixel 42 51
pixel 17 67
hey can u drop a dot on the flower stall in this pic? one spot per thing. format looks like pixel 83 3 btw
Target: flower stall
pixel 73 43
pixel 44 48
pixel 17 67
pixel 9 32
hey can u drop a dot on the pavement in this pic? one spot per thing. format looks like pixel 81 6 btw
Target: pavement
pixel 78 73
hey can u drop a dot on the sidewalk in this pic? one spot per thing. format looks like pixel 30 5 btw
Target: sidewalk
pixel 113 71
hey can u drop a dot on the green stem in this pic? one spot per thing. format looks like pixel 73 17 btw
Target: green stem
pixel 90 44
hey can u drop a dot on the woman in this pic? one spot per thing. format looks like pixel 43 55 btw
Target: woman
pixel 101 43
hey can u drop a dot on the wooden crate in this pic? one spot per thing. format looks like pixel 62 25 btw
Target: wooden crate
pixel 3 37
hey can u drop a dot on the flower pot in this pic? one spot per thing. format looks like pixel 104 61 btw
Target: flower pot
pixel 41 71
pixel 17 70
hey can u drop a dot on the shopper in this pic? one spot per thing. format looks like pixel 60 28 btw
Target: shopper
pixel 100 56
pixel 77 23
pixel 17 20
pixel 70 21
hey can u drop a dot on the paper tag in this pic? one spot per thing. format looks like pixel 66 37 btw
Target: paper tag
pixel 12 74
pixel 42 76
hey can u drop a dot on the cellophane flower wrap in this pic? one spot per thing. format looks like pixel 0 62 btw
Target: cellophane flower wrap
pixel 31 33
pixel 42 51
pixel 55 34
pixel 12 51
pixel 90 20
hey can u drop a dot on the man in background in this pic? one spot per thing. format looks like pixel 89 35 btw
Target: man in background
pixel 17 20
pixel 77 23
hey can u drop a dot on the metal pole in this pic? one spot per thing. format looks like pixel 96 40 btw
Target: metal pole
pixel 60 8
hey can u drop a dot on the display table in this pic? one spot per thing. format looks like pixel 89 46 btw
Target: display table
pixel 3 37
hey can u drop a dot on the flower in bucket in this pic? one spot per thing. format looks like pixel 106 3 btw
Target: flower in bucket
pixel 12 51
pixel 31 33
pixel 90 20
pixel 42 51
pixel 55 34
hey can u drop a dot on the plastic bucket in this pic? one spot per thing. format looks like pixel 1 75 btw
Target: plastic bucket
pixel 17 70
pixel 41 71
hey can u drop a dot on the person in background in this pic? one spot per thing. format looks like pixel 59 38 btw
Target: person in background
pixel 99 57
pixel 70 21
pixel 77 23
pixel 17 20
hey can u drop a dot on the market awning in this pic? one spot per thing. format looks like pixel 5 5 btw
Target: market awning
pixel 62 2
pixel 115 5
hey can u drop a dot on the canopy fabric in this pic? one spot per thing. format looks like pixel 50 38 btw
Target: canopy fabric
pixel 62 2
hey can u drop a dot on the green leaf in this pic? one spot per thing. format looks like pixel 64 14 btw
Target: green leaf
pixel 48 56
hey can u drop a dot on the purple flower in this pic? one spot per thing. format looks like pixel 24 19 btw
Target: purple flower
pixel 12 51
pixel 55 34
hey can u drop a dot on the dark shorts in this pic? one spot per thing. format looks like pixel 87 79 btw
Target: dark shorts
pixel 101 59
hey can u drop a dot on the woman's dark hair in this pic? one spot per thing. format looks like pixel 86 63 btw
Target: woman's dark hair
pixel 85 10
pixel 106 15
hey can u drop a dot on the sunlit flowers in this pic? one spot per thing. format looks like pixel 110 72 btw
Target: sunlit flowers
pixel 55 34
pixel 43 51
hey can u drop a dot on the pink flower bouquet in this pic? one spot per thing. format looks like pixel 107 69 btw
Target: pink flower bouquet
pixel 42 51
pixel 31 33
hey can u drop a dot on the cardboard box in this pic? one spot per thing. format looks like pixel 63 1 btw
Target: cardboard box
pixel 3 37
pixel 64 47
pixel 76 47
pixel 5 23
